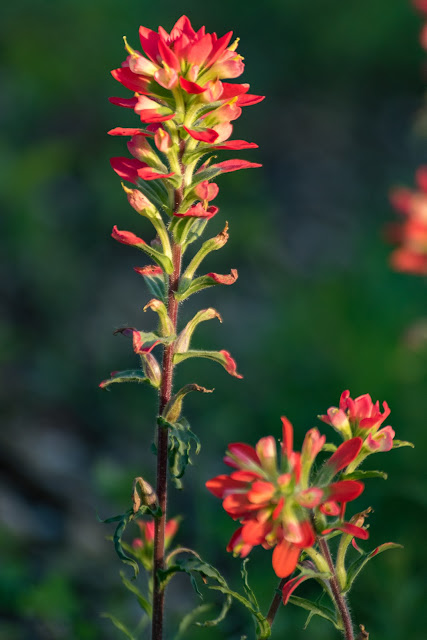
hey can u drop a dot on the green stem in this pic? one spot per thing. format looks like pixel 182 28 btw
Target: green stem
pixel 339 598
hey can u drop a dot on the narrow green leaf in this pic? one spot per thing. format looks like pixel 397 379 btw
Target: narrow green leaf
pixel 315 609
pixel 357 566
pixel 190 619
pixel 363 475
pixel 119 625
pixel 131 375
pixel 248 590
pixel 143 602
pixel 264 629
pixel 402 443
pixel 328 446
pixel 222 357
pixel 181 442
pixel 117 541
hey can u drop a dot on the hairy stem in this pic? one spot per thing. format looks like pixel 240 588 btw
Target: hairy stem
pixel 162 443
pixel 275 603
pixel 340 600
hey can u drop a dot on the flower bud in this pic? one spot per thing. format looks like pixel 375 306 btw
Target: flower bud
pixel 162 140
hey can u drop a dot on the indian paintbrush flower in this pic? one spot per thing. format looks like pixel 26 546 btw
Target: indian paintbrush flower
pixel 274 501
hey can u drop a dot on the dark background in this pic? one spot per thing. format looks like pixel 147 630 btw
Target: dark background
pixel 316 308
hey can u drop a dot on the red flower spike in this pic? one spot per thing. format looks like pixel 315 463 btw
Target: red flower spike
pixel 224 279
pixel 126 237
pixel 285 558
pixel 345 490
pixel 206 135
pixel 288 437
pixel 290 587
pixel 346 453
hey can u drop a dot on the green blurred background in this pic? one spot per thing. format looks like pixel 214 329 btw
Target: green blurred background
pixel 316 308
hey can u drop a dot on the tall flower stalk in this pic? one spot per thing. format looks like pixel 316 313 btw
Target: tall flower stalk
pixel 186 109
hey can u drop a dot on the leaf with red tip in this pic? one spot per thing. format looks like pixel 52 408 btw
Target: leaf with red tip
pixel 355 568
pixel 291 585
pixel 234 165
pixel 126 237
pixel 191 87
pixel 236 145
pixel 128 103
pixel 345 454
pixel 125 131
pixel 345 490
pixel 198 211
pixel 287 437
pixel 204 135
pixel 248 100
pixel 131 80
pixel 209 280
pixel 350 529
pixel 233 90
pixel 147 173
pixel 222 357
pixel 127 168
pixel 285 558
pixel 149 42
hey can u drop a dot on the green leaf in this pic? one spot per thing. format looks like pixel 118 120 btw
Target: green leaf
pixel 131 375
pixel 195 231
pixel 172 410
pixel 328 446
pixel 217 356
pixel 157 286
pixel 195 565
pixel 247 588
pixel 119 625
pixel 357 566
pixel 202 282
pixel 205 174
pixel 143 602
pixel 402 443
pixel 181 442
pixel 123 520
pixel 263 626
pixel 190 619
pixel 363 475
pixel 315 609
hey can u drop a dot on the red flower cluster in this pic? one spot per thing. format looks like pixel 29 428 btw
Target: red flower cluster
pixel 411 235
pixel 421 5
pixel 185 106
pixel 362 418
pixel 274 502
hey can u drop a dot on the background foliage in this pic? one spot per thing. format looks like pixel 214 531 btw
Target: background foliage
pixel 315 310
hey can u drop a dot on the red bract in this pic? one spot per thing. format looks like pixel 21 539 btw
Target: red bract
pixel 411 234
pixel 273 501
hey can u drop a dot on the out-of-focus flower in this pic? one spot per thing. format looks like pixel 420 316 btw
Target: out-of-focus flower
pixel 411 234
pixel 273 500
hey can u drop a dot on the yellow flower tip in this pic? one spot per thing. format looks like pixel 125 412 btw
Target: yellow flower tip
pixel 125 188
pixel 235 44
pixel 129 49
